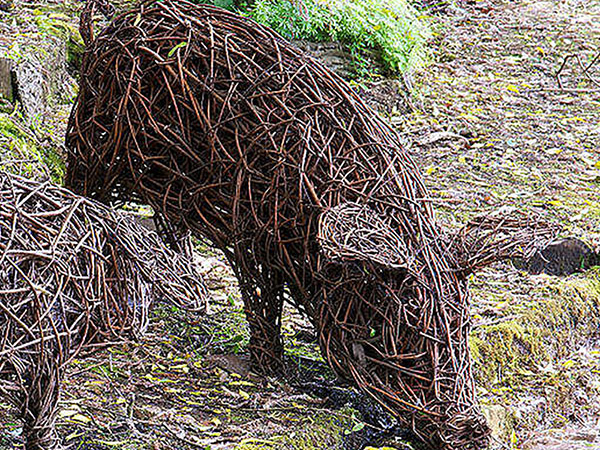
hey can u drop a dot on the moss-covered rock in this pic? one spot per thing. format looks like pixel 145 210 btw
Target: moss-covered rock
pixel 534 333
pixel 22 153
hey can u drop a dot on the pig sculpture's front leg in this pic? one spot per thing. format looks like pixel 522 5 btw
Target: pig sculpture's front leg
pixel 263 301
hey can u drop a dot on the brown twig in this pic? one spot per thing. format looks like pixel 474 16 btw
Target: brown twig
pixel 585 70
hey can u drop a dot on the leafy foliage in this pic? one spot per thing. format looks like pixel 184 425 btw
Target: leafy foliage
pixel 391 28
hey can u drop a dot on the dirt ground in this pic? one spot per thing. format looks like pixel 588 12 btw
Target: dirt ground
pixel 491 128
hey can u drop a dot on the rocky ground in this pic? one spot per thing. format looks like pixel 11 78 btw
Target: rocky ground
pixel 490 126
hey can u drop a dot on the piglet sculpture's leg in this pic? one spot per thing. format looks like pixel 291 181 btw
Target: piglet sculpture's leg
pixel 39 408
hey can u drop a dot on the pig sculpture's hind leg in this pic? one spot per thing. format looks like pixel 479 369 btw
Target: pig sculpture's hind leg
pixel 39 408
pixel 263 300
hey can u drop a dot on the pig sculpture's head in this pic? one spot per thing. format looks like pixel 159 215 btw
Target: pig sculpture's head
pixel 397 321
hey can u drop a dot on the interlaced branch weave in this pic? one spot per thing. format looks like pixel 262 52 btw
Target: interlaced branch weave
pixel 227 130
pixel 74 276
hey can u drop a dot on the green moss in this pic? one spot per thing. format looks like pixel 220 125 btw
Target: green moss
pixel 528 358
pixel 538 332
pixel 55 23
pixel 314 432
pixel 21 153
pixel 74 55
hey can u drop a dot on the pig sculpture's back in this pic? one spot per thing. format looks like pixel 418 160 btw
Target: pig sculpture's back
pixel 232 133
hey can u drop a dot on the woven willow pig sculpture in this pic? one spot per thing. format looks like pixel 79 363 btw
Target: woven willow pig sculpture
pixel 227 130
pixel 73 275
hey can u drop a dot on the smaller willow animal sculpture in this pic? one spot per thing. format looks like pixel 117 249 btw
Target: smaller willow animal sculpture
pixel 73 275
pixel 229 131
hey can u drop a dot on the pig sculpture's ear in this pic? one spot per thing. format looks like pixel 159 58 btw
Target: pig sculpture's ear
pixel 503 234
pixel 351 232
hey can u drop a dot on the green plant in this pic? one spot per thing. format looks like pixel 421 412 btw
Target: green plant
pixel 231 5
pixel 54 24
pixel 392 29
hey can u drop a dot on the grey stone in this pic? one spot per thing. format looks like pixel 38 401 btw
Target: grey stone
pixel 7 85
pixel 499 419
